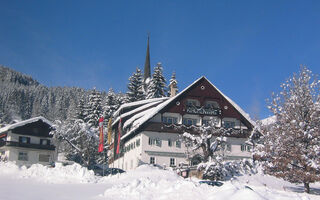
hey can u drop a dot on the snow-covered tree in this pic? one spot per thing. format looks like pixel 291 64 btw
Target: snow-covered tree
pixel 292 143
pixel 209 146
pixel 81 110
pixel 78 141
pixel 135 87
pixel 112 103
pixel 94 108
pixel 157 85
pixel 173 83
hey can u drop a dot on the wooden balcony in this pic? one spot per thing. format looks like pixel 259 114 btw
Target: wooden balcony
pixel 31 146
pixel 178 128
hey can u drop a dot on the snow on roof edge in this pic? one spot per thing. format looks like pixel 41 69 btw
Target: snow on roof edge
pixel 135 110
pixel 137 103
pixel 24 122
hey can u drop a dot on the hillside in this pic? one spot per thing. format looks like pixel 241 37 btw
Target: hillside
pixel 22 97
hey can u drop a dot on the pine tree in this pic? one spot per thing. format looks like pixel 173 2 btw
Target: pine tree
pixel 111 105
pixel 156 87
pixel 173 83
pixel 94 108
pixel 135 87
pixel 81 110
pixel 292 143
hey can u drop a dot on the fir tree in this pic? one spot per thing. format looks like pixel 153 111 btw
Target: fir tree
pixel 135 87
pixel 292 143
pixel 81 110
pixel 111 105
pixel 156 87
pixel 94 108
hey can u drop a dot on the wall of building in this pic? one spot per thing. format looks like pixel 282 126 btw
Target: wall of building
pixel 131 158
pixel 12 154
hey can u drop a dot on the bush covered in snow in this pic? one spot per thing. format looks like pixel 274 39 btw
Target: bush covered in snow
pixel 225 170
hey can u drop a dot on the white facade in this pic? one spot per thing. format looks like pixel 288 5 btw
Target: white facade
pixel 147 135
pixel 27 156
pixel 29 146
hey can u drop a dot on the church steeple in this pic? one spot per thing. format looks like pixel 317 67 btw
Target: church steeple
pixel 147 73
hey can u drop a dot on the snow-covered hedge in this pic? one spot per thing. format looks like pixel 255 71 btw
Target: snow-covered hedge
pixel 224 170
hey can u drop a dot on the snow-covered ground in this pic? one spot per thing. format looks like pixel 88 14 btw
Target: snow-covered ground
pixel 146 182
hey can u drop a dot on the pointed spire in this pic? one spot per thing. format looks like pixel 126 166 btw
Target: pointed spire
pixel 147 73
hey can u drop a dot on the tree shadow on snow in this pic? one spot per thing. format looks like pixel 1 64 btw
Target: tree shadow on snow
pixel 300 189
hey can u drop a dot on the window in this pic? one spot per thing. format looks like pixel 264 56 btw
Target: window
pixel 192 102
pixel 44 158
pixel 245 148
pixel 169 120
pixel 152 160
pixel 178 144
pixel 228 147
pixel 169 143
pixel 151 141
pixel 23 156
pixel 206 122
pixel 158 142
pixel 44 142
pixel 138 142
pixel 189 121
pixel 24 140
pixel 211 104
pixel 172 162
pixel 228 124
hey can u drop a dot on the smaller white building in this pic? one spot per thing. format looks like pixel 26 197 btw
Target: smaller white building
pixel 28 142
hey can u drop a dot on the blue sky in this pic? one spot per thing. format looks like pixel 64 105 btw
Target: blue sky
pixel 245 48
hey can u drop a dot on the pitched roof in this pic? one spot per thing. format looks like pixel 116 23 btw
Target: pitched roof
pixel 22 123
pixel 138 120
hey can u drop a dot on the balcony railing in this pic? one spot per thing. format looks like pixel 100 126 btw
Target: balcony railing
pixel 33 146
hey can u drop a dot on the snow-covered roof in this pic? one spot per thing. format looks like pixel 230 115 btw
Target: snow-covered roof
pixel 141 118
pixel 269 120
pixel 138 109
pixel 22 123
pixel 137 103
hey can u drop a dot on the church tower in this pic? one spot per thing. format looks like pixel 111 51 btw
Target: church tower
pixel 147 71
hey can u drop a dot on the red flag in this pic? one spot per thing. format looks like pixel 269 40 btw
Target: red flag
pixel 119 137
pixel 100 149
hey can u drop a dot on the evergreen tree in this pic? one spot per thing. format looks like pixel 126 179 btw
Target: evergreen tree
pixel 173 83
pixel 156 87
pixel 94 108
pixel 111 105
pixel 292 143
pixel 135 87
pixel 81 110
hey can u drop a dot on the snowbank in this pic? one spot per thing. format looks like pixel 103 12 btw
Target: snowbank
pixel 74 173
pixel 144 183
